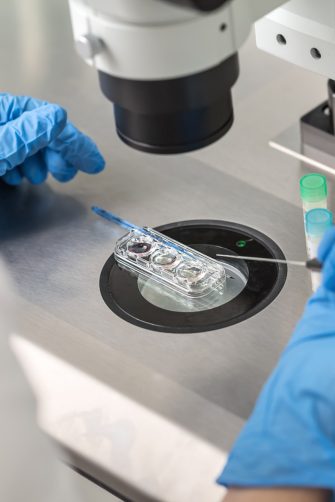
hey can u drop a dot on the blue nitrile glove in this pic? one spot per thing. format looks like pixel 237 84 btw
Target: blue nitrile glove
pixel 35 138
pixel 289 440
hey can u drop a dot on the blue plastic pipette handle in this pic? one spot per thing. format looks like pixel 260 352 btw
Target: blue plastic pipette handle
pixel 131 226
pixel 115 219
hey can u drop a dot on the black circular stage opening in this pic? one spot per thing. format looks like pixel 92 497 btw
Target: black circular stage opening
pixel 124 293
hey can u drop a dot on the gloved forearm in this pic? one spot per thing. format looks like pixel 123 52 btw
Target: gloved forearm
pixel 289 440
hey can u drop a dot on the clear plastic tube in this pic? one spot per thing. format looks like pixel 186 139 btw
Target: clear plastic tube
pixel 313 192
pixel 317 222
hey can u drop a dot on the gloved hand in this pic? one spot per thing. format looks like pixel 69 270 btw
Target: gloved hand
pixel 289 440
pixel 35 138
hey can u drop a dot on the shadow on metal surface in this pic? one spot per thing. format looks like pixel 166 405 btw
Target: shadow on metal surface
pixel 30 209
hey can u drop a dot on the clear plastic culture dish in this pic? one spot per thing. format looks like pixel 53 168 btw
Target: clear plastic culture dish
pixel 180 268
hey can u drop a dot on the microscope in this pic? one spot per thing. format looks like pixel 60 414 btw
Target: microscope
pixel 169 65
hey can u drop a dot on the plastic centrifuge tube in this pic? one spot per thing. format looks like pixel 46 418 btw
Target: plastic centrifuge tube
pixel 313 192
pixel 318 221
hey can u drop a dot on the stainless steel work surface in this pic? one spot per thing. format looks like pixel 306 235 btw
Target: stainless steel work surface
pixel 57 261
pixel 55 248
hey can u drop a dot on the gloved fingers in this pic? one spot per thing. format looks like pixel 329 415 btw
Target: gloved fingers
pixel 78 150
pixel 60 169
pixel 328 271
pixel 30 132
pixel 11 107
pixel 34 169
pixel 327 243
pixel 13 177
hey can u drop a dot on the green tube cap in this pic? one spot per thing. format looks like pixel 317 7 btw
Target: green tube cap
pixel 313 187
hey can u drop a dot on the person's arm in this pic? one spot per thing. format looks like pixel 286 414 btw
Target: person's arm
pixel 287 447
pixel 277 495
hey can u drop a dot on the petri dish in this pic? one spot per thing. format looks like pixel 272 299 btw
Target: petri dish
pixel 165 260
pixel 166 299
pixel 140 247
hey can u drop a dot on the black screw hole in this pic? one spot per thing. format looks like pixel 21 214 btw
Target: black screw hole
pixel 315 53
pixel 281 39
pixel 223 27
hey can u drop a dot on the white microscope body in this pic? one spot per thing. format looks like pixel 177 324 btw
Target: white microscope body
pixel 136 43
pixel 153 39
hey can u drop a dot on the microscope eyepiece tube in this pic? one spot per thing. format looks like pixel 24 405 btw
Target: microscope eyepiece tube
pixel 173 115
pixel 204 5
